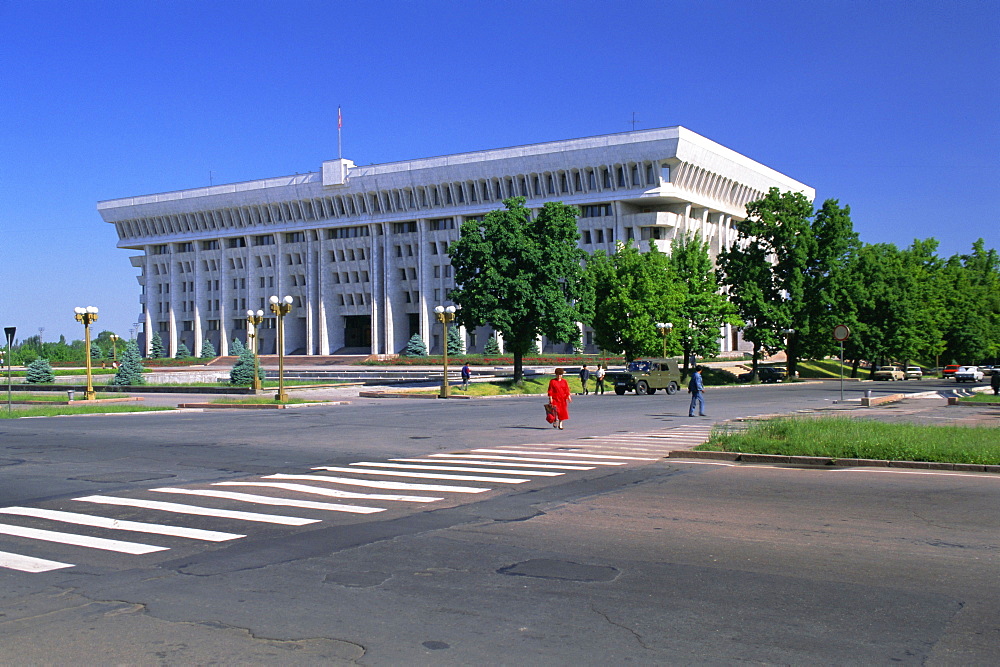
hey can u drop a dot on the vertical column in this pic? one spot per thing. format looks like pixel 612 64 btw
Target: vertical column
pixel 199 291
pixel 171 342
pixel 375 311
pixel 224 297
pixel 386 290
pixel 423 309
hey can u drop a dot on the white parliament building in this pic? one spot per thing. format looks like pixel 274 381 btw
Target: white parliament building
pixel 362 250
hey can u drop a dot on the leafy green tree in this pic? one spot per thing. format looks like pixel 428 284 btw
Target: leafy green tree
pixel 156 346
pixel 522 275
pixel 182 351
pixel 207 349
pixel 415 347
pixel 702 309
pixel 632 292
pixel 40 371
pixel 492 347
pixel 129 372
pixel 242 371
pixel 237 347
pixel 456 346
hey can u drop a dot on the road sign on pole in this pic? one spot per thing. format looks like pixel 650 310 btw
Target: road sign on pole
pixel 841 332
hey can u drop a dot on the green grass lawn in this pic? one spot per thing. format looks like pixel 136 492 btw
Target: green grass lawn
pixel 52 397
pixel 981 398
pixel 260 400
pixel 847 438
pixel 77 409
pixel 533 385
pixel 824 368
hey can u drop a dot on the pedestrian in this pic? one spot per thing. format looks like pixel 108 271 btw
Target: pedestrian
pixel 560 398
pixel 584 378
pixel 466 376
pixel 995 381
pixel 697 389
pixel 599 379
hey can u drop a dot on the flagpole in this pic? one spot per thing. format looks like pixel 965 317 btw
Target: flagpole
pixel 340 123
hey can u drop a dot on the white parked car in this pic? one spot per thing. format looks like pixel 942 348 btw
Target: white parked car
pixel 969 374
pixel 914 372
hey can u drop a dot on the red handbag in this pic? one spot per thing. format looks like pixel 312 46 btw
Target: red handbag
pixel 550 413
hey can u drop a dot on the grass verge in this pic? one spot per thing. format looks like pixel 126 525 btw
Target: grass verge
pixel 980 398
pixel 847 438
pixel 51 397
pixel 54 411
pixel 261 400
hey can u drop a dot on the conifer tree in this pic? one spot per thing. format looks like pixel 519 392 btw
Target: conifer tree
pixel 456 345
pixel 236 349
pixel 242 372
pixel 492 346
pixel 415 347
pixel 156 347
pixel 182 352
pixel 40 372
pixel 207 350
pixel 129 372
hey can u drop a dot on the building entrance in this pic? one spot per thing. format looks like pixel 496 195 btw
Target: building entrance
pixel 358 331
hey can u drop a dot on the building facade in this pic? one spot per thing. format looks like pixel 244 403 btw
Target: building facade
pixel 362 250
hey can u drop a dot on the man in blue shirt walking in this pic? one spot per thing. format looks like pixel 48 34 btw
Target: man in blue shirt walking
pixel 697 390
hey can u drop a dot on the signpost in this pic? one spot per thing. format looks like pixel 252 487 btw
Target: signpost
pixel 841 333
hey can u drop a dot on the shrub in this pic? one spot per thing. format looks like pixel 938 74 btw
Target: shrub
pixel 415 347
pixel 129 367
pixel 40 372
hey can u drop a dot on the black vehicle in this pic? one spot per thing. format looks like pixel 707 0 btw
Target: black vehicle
pixel 766 374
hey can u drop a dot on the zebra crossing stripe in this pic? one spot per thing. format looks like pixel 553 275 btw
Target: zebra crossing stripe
pixel 115 524
pixel 364 471
pixel 72 539
pixel 496 463
pixel 590 456
pixel 199 511
pixel 331 493
pixel 459 468
pixel 270 500
pixel 28 563
pixel 380 484
pixel 524 458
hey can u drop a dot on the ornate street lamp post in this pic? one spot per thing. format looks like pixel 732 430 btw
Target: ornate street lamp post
pixel 664 328
pixel 445 316
pixel 254 320
pixel 87 316
pixel 281 307
pixel 114 349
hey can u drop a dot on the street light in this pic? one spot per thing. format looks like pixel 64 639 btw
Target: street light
pixel 445 316
pixel 254 320
pixel 114 349
pixel 281 307
pixel 664 328
pixel 87 316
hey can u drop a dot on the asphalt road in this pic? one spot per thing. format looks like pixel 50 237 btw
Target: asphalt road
pixel 626 560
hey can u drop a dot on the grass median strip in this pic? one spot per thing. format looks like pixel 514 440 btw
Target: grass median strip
pixel 77 409
pixel 847 438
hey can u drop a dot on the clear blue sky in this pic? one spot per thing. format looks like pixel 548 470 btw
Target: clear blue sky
pixel 892 107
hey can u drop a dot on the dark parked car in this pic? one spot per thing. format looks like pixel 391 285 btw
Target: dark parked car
pixel 766 374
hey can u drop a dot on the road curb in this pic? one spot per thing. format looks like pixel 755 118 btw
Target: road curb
pixel 738 457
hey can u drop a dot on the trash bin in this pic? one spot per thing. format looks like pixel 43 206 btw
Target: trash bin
pixel 69 394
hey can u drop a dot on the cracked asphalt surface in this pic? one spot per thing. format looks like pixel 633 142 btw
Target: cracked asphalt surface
pixel 659 562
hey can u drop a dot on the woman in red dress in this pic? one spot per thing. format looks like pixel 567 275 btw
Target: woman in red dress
pixel 560 398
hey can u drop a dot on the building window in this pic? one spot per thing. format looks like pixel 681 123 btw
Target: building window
pixel 295 237
pixel 263 239
pixel 595 210
pixel 442 223
pixel 665 173
pixel 236 242
pixel 210 245
pixel 185 247
pixel 404 227
pixel 160 249
pixel 586 237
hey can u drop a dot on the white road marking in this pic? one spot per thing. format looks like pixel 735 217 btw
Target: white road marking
pixel 269 500
pixel 115 524
pixel 29 564
pixel 522 458
pixel 199 511
pixel 363 471
pixel 459 468
pixel 332 493
pixel 591 456
pixel 80 540
pixel 379 484
pixel 496 463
